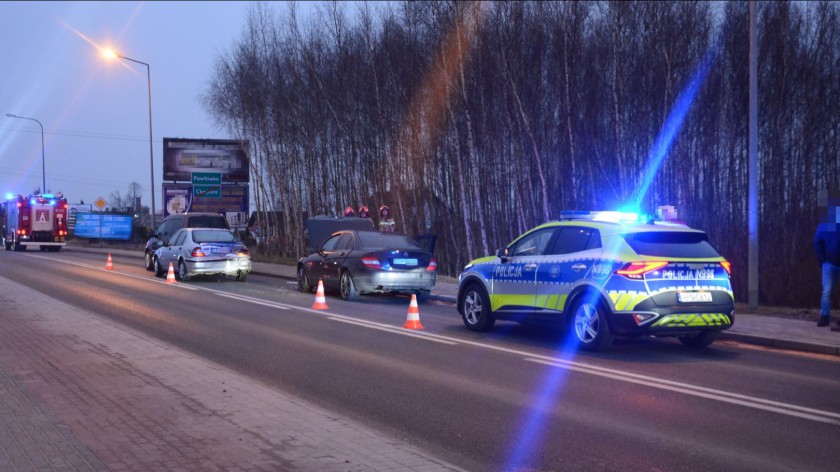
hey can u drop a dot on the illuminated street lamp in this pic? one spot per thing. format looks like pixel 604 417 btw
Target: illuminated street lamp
pixel 111 54
pixel 43 165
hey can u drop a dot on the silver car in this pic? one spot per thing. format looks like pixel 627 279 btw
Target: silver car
pixel 203 251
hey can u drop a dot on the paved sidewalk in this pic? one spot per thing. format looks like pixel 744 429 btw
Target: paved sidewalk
pixel 762 330
pixel 78 393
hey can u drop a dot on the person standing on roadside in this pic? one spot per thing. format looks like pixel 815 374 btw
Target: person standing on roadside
pixel 386 223
pixel 349 212
pixel 827 248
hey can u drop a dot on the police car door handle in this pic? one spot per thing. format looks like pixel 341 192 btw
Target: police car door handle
pixel 578 267
pixel 530 266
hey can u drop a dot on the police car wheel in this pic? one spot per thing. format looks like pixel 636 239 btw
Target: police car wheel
pixel 704 339
pixel 303 283
pixel 590 326
pixel 347 287
pixel 475 309
pixel 150 265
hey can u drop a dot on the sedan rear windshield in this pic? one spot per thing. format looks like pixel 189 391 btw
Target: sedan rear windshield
pixel 671 244
pixel 374 240
pixel 207 221
pixel 203 236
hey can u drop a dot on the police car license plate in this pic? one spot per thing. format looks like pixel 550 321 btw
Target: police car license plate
pixel 405 262
pixel 694 297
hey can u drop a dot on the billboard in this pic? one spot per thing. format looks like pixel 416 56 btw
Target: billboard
pixel 228 199
pixel 103 225
pixel 74 208
pixel 183 157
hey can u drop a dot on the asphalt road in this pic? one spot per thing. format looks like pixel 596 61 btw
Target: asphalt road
pixel 513 399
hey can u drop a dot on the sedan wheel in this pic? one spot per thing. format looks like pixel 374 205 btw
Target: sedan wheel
pixel 590 326
pixel 348 289
pixel 475 309
pixel 149 262
pixel 157 268
pixel 183 274
pixel 303 283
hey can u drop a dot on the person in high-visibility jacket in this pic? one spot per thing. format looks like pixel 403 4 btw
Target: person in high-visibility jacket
pixel 386 223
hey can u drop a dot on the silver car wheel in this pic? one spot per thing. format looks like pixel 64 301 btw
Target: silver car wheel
pixel 586 323
pixel 472 307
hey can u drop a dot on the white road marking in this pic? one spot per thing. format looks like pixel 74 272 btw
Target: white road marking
pixel 723 396
pixel 390 329
pixel 102 269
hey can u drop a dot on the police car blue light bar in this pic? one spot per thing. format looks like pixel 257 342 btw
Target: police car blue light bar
pixel 623 217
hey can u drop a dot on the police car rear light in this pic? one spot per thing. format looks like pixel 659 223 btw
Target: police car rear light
pixel 432 265
pixel 371 262
pixel 197 252
pixel 635 270
pixel 728 266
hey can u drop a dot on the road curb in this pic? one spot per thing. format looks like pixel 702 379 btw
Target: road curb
pixel 781 343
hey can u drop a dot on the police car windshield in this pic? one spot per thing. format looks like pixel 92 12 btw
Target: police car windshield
pixel 375 240
pixel 670 244
pixel 204 236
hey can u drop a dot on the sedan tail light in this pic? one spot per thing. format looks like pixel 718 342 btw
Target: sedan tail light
pixel 242 252
pixel 432 265
pixel 635 270
pixel 371 262
pixel 197 252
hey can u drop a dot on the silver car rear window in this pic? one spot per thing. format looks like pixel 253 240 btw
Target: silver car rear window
pixel 204 236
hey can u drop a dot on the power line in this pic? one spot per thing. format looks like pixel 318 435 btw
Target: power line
pixel 84 134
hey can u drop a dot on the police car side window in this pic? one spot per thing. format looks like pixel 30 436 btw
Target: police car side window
pixel 533 244
pixel 574 239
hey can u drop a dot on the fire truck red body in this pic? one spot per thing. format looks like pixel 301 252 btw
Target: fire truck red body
pixel 35 220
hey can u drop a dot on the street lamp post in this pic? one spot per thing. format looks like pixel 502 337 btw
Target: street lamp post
pixel 114 54
pixel 43 161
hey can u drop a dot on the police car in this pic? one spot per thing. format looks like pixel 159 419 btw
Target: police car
pixel 604 274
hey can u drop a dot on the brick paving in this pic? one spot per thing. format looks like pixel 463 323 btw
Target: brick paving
pixel 79 393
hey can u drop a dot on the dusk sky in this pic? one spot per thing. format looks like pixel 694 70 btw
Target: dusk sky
pixel 94 110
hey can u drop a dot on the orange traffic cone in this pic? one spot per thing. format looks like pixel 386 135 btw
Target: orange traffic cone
pixel 320 300
pixel 110 264
pixel 413 319
pixel 170 276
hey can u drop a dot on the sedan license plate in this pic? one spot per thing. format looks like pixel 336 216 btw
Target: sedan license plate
pixel 220 250
pixel 694 297
pixel 405 262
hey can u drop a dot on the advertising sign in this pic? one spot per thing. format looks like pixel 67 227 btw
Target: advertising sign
pixel 232 201
pixel 74 208
pixel 184 157
pixel 103 225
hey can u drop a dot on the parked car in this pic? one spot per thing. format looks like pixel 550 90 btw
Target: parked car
pixel 172 223
pixel 357 262
pixel 203 251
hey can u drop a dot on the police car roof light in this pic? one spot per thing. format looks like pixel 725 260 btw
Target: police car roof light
pixel 621 217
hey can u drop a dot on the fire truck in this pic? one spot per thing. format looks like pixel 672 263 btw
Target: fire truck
pixel 35 220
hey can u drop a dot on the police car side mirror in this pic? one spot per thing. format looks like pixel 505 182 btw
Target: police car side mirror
pixel 503 254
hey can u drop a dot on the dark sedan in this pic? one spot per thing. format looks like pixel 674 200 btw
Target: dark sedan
pixel 363 262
